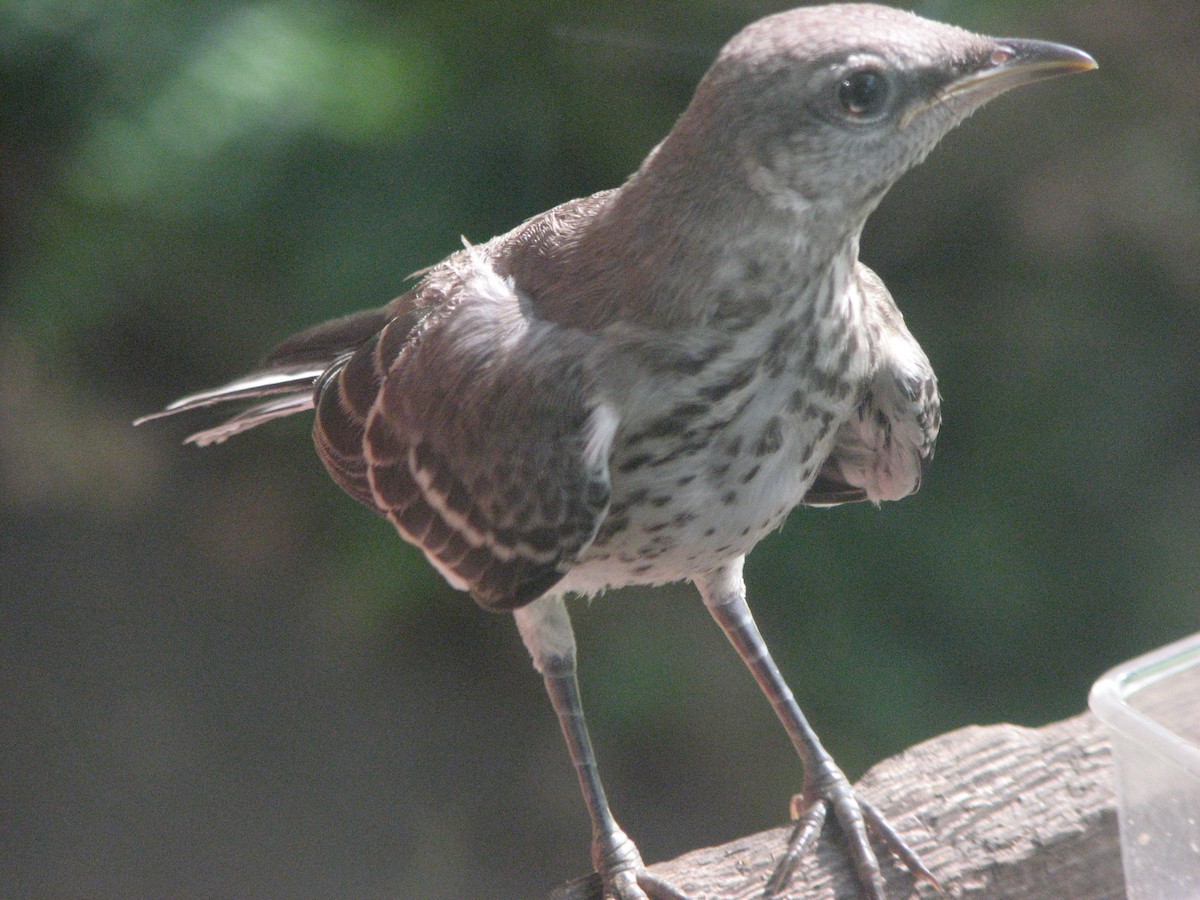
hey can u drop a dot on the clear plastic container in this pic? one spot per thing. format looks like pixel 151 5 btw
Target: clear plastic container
pixel 1151 707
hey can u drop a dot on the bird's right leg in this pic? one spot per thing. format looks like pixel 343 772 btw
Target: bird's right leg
pixel 825 786
pixel 546 629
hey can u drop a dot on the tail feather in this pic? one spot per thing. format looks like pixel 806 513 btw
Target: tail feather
pixel 301 401
pixel 291 375
pixel 263 383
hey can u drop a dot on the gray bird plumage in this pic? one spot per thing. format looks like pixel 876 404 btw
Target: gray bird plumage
pixel 635 387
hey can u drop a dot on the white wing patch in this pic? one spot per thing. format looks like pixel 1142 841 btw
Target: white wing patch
pixel 452 578
pixel 484 282
pixel 600 430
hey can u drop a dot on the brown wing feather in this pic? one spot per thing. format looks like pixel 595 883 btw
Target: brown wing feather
pixel 424 417
pixel 347 393
pixel 477 443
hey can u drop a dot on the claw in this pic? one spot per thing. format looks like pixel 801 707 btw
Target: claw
pixel 808 825
pixel 882 827
pixel 658 889
pixel 638 884
pixel 849 815
pixel 857 818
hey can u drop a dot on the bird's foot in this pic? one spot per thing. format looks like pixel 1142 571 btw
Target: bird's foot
pixel 640 885
pixel 858 818
pixel 625 877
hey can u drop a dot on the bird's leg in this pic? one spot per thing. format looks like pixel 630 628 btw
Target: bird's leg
pixel 546 629
pixel 824 786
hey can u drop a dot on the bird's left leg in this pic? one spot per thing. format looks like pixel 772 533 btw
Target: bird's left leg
pixel 824 786
pixel 546 629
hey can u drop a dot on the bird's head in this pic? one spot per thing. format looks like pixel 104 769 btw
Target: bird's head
pixel 825 107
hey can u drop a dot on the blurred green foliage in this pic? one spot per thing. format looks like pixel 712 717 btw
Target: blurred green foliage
pixel 223 677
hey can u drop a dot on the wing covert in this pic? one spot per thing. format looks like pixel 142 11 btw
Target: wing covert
pixel 881 450
pixel 482 442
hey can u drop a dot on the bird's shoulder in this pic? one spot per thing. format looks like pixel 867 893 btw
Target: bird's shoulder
pixel 528 255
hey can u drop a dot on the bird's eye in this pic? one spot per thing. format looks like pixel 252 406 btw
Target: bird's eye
pixel 864 93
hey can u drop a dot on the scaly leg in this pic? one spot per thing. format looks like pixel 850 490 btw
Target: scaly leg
pixel 825 786
pixel 546 629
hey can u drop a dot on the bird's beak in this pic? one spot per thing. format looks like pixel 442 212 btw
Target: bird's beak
pixel 1009 63
pixel 1014 62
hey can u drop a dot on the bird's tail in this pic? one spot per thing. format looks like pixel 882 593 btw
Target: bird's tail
pixel 289 377
pixel 289 387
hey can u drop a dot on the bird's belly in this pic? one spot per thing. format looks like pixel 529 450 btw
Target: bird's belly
pixel 683 507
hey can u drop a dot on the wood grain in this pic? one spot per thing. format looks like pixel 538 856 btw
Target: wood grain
pixel 998 812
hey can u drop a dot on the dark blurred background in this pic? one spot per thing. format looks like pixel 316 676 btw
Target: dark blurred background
pixel 219 676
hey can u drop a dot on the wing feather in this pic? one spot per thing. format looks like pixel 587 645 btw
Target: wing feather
pixel 880 453
pixel 474 431
pixel 459 411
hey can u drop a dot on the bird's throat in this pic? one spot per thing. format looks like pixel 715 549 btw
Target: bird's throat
pixel 692 259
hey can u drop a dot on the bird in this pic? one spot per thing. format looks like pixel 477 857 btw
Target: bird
pixel 634 387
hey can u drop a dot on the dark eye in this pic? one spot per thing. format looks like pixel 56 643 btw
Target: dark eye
pixel 863 93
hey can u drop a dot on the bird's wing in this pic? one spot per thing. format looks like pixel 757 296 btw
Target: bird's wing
pixel 881 450
pixel 349 387
pixel 492 457
pixel 475 432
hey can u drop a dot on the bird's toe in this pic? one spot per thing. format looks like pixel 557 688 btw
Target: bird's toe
pixel 858 820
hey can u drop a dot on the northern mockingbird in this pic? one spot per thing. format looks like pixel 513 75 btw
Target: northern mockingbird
pixel 635 387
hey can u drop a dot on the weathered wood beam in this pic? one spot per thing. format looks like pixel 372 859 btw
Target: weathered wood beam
pixel 997 812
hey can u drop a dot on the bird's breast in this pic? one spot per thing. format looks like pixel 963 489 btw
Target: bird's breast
pixel 706 462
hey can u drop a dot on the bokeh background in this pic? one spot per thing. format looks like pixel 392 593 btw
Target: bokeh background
pixel 221 677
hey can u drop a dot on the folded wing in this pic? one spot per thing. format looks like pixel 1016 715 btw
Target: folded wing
pixel 476 433
pixel 881 451
pixel 457 411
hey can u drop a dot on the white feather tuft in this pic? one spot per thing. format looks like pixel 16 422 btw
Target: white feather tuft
pixel 485 282
pixel 600 430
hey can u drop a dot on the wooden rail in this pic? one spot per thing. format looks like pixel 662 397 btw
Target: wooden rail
pixel 996 812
